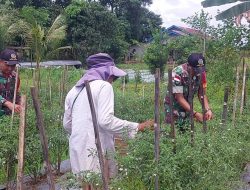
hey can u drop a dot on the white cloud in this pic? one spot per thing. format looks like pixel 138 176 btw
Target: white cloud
pixel 172 11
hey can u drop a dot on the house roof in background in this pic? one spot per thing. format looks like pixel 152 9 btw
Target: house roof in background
pixel 174 31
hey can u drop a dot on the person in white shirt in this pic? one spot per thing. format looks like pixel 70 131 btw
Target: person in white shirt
pixel 78 119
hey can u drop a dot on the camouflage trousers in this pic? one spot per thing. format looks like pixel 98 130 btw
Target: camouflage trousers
pixel 181 119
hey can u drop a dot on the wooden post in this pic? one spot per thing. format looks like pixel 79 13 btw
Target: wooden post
pixel 236 93
pixel 21 148
pixel 190 101
pixel 157 124
pixel 243 86
pixel 43 138
pixel 224 113
pixel 97 138
pixel 170 92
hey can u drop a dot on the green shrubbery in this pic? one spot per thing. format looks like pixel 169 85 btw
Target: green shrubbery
pixel 215 162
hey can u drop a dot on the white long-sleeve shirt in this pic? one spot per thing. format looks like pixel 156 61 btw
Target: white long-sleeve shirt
pixel 78 123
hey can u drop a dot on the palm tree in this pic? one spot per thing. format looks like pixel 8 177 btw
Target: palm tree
pixel 238 11
pixel 42 42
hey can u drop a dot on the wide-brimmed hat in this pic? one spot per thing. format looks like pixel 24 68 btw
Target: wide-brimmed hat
pixel 9 56
pixel 101 66
pixel 197 62
pixel 104 60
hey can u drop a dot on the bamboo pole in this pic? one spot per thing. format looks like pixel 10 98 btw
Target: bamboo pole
pixel 123 85
pixel 243 87
pixel 143 91
pixel 224 113
pixel 34 77
pixel 190 101
pixel 204 123
pixel 50 87
pixel 170 92
pixel 236 93
pixel 97 137
pixel 157 124
pixel 43 138
pixel 27 83
pixel 21 148
pixel 63 85
pixel 14 97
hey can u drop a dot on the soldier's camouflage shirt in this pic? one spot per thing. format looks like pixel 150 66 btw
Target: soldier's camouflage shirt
pixel 180 78
pixel 7 87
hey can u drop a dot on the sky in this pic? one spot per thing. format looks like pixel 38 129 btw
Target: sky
pixel 172 11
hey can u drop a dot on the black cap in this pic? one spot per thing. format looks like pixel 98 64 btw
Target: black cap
pixel 197 61
pixel 10 56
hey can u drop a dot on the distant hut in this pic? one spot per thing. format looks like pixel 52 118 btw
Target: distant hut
pixel 135 53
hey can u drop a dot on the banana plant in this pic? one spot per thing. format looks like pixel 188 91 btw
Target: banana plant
pixel 242 8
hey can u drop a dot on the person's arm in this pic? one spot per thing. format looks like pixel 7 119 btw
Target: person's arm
pixel 67 118
pixel 208 111
pixel 106 118
pixel 185 105
pixel 10 106
pixel 178 95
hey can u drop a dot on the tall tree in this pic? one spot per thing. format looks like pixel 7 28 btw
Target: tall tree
pixel 243 7
pixel 200 22
pixel 141 21
pixel 35 3
pixel 92 28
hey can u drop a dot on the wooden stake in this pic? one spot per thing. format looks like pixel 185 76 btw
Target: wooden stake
pixel 243 86
pixel 224 113
pixel 123 85
pixel 50 86
pixel 236 94
pixel 190 101
pixel 34 77
pixel 170 92
pixel 157 124
pixel 14 98
pixel 43 138
pixel 204 123
pixel 21 148
pixel 143 91
pixel 97 137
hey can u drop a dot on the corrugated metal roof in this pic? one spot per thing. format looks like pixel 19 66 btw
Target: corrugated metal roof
pixel 52 63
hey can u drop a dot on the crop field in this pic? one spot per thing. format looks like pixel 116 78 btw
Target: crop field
pixel 215 161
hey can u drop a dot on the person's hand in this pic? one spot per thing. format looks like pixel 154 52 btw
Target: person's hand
pixel 209 114
pixel 10 105
pixel 18 108
pixel 198 116
pixel 147 124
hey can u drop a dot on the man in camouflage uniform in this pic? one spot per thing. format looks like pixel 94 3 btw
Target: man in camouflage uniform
pixel 195 69
pixel 8 61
